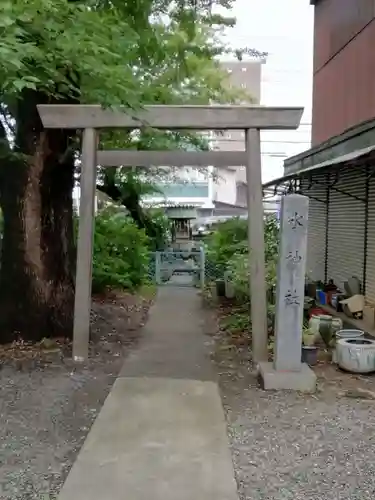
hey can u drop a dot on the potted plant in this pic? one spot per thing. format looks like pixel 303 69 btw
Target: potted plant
pixel 309 349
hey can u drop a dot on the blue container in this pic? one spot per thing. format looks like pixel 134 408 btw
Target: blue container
pixel 322 297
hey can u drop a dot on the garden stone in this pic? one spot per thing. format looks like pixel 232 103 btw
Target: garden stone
pixel 287 371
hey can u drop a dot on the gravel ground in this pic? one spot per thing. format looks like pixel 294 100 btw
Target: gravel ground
pixel 47 404
pixel 291 446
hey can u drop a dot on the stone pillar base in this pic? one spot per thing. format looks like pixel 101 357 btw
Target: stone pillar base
pixel 302 381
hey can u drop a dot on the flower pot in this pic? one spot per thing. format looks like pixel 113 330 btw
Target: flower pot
pixel 349 334
pixel 325 327
pixel 337 325
pixel 345 334
pixel 309 355
pixel 356 355
pixel 316 311
pixel 308 337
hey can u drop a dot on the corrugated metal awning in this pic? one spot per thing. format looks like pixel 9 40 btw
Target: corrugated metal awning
pixel 354 155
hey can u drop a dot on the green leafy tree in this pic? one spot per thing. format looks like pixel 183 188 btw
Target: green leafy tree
pixel 188 74
pixel 128 52
pixel 50 52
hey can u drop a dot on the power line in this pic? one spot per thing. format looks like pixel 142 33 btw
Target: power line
pixel 265 141
pixel 287 142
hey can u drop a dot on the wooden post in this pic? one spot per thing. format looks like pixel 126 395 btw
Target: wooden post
pixel 256 246
pixel 82 303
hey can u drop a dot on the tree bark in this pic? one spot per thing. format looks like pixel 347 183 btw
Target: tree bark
pixel 37 257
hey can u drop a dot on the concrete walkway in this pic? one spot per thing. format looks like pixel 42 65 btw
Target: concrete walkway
pixel 161 434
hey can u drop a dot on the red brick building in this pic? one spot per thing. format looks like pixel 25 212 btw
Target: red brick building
pixel 344 66
pixel 338 172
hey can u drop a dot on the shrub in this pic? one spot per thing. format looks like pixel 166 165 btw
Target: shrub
pixel 271 237
pixel 228 239
pixel 228 249
pixel 121 255
pixel 239 269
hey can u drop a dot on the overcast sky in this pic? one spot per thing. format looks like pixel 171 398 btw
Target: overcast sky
pixel 284 29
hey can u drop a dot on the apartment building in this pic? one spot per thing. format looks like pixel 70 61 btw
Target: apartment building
pixel 230 187
pixel 218 190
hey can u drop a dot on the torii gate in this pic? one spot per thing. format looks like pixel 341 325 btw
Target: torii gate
pixel 92 118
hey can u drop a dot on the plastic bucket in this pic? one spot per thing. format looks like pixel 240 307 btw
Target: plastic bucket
pixel 309 355
pixel 349 334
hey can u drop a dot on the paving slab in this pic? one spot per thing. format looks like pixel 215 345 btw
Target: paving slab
pixel 172 343
pixel 159 439
pixel 161 433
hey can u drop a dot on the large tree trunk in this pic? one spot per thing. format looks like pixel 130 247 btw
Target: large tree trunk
pixel 37 257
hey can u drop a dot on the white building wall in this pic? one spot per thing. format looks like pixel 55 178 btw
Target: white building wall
pixel 245 75
pixel 178 201
pixel 76 200
pixel 225 186
pixel 190 176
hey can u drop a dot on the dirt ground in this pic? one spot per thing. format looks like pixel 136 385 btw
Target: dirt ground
pixel 293 446
pixel 284 445
pixel 48 404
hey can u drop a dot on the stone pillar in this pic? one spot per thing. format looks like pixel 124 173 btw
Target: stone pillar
pixel 287 371
pixel 257 284
pixel 82 304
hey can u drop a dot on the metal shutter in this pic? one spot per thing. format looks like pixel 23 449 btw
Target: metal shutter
pixel 370 264
pixel 346 226
pixel 316 251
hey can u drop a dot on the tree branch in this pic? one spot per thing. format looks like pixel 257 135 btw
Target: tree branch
pixel 110 190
